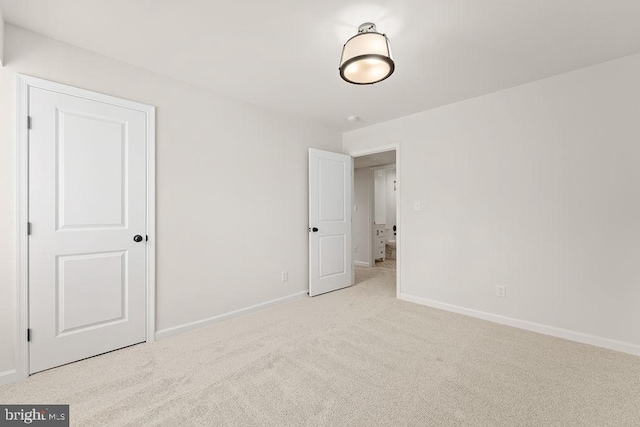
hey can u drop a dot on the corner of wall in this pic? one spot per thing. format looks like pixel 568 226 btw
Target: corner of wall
pixel 1 39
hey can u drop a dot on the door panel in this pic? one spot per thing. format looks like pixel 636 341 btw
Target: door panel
pixel 91 176
pixel 330 189
pixel 331 181
pixel 79 306
pixel 332 255
pixel 87 200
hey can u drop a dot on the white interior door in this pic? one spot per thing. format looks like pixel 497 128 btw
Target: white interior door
pixel 87 201
pixel 330 189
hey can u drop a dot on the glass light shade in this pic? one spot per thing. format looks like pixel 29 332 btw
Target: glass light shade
pixel 366 59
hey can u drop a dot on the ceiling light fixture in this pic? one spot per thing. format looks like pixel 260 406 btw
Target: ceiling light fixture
pixel 366 57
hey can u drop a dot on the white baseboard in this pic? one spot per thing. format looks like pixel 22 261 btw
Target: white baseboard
pixel 529 326
pixel 7 377
pixel 163 333
pixel 361 264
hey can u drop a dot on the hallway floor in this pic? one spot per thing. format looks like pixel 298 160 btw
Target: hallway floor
pixel 389 263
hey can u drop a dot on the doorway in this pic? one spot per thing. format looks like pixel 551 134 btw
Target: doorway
pixel 376 231
pixel 86 224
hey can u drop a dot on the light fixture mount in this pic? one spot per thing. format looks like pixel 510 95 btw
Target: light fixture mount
pixel 367 27
pixel 366 57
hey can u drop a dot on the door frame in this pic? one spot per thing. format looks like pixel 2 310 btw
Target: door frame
pixel 24 83
pixel 381 149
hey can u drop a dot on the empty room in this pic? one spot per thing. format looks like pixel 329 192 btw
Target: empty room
pixel 373 213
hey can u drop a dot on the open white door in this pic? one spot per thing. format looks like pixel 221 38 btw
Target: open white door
pixel 330 188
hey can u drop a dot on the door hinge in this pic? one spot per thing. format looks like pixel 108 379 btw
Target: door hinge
pixel 28 229
pixel 28 122
pixel 29 335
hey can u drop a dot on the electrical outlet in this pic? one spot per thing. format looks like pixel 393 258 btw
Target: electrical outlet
pixel 285 276
pixel 355 249
pixel 355 208
pixel 416 206
pixel 501 291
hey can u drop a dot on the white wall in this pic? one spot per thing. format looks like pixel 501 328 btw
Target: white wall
pixel 362 217
pixel 391 203
pixel 231 182
pixel 1 38
pixel 536 188
pixel 380 196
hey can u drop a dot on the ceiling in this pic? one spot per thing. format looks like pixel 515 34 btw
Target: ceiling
pixel 373 160
pixel 283 54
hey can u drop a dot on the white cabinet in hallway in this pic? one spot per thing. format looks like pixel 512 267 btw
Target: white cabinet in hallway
pixel 379 241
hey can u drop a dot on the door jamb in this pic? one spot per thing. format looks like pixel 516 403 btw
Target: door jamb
pixel 380 149
pixel 24 83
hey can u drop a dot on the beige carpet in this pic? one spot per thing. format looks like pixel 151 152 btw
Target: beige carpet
pixel 352 357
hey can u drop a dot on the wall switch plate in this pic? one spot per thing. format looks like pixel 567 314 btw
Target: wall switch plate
pixel 285 276
pixel 416 206
pixel 355 249
pixel 501 291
